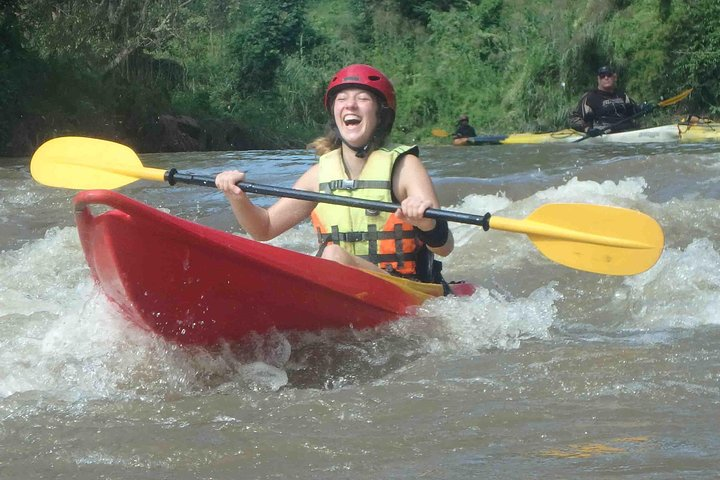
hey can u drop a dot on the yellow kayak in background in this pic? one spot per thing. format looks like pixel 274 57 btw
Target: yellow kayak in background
pixel 673 133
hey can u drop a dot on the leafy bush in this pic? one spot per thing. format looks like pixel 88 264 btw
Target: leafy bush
pixel 511 65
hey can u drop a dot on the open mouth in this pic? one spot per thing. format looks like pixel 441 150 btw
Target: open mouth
pixel 351 120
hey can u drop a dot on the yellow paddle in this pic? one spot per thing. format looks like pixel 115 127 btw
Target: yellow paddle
pixel 593 238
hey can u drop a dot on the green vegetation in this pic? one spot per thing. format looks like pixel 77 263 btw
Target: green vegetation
pixel 252 73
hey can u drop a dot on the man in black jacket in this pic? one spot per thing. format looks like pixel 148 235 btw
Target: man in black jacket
pixel 605 107
pixel 464 129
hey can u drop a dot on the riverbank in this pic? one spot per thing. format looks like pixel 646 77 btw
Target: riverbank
pixel 164 133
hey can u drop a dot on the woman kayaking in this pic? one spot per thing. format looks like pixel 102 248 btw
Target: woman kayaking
pixel 354 162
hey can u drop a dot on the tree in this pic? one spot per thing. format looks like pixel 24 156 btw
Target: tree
pixel 693 47
pixel 101 34
pixel 274 31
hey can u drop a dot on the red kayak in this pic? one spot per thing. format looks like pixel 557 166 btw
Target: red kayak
pixel 195 285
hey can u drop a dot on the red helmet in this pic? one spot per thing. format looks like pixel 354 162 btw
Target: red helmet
pixel 362 76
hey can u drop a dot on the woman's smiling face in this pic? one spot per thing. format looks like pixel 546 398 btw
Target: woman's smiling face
pixel 355 113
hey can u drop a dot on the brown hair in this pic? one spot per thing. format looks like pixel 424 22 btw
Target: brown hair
pixel 328 142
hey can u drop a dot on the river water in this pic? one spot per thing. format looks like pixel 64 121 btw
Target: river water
pixel 545 372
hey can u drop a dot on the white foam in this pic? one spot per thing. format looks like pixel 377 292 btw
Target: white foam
pixel 484 320
pixel 60 335
pixel 680 291
pixel 588 191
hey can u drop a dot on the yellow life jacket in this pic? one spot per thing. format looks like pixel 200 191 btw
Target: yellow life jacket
pixel 379 237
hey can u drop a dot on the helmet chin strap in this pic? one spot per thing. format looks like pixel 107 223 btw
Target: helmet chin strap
pixel 360 152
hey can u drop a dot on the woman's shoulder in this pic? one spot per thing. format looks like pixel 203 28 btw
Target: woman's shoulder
pixel 309 179
pixel 403 150
pixel 409 161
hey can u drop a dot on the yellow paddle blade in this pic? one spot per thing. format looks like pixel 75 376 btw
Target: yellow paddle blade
pixel 439 132
pixel 88 163
pixel 675 99
pixel 593 238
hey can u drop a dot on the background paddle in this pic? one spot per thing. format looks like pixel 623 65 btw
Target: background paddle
pixel 459 141
pixel 593 238
pixel 648 108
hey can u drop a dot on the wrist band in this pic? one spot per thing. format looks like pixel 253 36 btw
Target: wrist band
pixel 438 236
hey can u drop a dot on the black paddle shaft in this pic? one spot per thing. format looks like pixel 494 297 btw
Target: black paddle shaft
pixel 172 176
